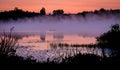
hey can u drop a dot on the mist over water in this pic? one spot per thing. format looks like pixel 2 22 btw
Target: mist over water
pixel 70 29
pixel 91 25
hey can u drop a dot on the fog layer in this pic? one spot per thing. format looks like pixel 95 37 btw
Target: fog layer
pixel 92 25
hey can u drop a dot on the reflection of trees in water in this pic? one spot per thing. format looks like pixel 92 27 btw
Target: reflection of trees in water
pixel 42 37
pixel 58 36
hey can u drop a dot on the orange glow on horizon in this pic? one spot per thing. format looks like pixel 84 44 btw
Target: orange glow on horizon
pixel 69 6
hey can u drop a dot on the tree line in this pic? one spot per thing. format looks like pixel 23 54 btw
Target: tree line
pixel 19 13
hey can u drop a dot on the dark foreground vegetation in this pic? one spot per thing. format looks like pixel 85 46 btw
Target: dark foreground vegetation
pixel 109 39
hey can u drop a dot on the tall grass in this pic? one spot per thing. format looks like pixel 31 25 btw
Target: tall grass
pixel 7 42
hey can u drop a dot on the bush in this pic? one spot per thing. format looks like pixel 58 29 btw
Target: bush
pixel 110 39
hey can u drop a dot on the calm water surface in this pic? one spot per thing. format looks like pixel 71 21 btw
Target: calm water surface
pixel 49 29
pixel 38 46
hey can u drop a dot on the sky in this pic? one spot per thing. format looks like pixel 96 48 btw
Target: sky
pixel 69 6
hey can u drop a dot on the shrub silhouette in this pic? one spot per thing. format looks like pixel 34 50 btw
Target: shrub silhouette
pixel 110 39
pixel 7 50
pixel 7 42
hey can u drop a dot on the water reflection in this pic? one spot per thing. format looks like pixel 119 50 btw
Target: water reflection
pixel 41 50
pixel 59 53
pixel 41 42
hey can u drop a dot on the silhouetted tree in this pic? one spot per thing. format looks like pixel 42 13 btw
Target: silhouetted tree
pixel 110 39
pixel 58 12
pixel 96 12
pixel 115 28
pixel 42 11
pixel 16 8
pixel 102 10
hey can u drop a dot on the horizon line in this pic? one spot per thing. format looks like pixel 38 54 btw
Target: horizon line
pixel 60 9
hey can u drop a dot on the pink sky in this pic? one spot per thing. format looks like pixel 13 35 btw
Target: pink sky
pixel 69 6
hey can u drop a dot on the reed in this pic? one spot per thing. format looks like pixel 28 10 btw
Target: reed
pixel 7 42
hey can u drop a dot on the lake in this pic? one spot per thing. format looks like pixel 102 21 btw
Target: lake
pixel 36 34
pixel 38 45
